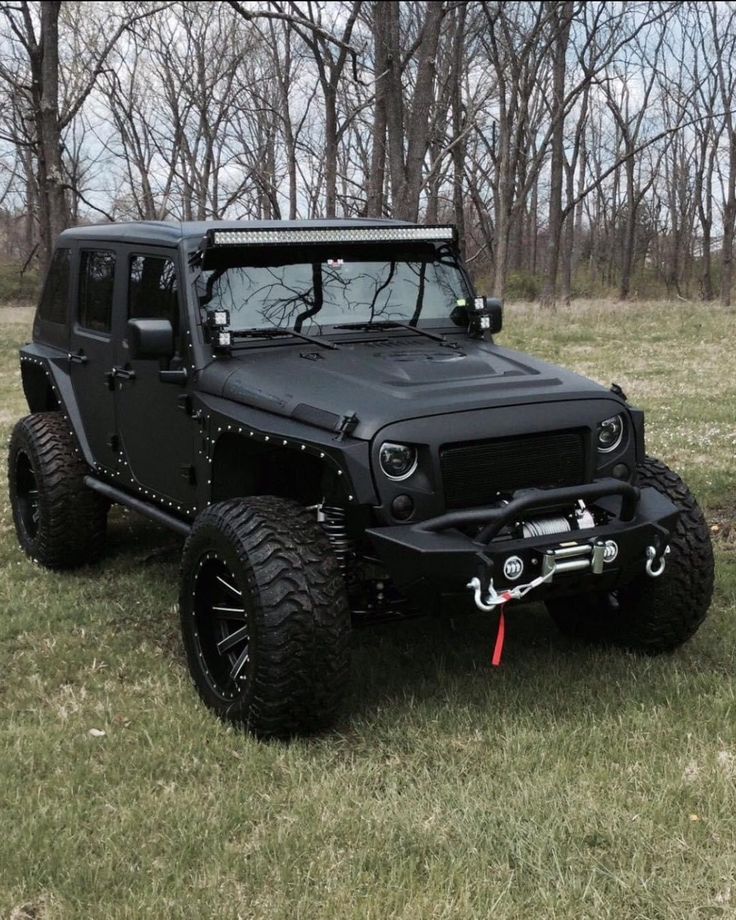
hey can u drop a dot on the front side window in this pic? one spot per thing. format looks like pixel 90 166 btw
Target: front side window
pixel 152 289
pixel 52 307
pixel 96 280
pixel 330 288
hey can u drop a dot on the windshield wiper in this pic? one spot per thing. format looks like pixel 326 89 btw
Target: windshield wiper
pixel 395 324
pixel 280 333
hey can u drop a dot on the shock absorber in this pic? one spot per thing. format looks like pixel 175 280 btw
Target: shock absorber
pixel 333 521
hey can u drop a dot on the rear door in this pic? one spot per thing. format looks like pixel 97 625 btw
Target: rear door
pixel 157 434
pixel 91 348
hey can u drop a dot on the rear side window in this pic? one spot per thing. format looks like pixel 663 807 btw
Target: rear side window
pixel 152 290
pixel 52 308
pixel 96 280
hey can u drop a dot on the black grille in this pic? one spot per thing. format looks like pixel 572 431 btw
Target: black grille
pixel 474 471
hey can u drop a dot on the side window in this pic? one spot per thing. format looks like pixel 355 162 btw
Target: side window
pixel 52 308
pixel 96 279
pixel 152 292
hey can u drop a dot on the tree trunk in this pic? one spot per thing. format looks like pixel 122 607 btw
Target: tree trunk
pixel 729 216
pixel 458 124
pixel 394 99
pixel 563 20
pixel 707 266
pixel 52 206
pixel 419 121
pixel 330 151
pixel 629 240
pixel 568 231
pixel 502 252
pixel 377 174
pixel 533 228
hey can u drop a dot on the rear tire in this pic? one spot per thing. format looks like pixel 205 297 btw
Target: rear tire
pixel 265 617
pixel 60 523
pixel 652 614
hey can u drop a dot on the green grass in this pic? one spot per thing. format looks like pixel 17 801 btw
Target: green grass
pixel 19 284
pixel 571 782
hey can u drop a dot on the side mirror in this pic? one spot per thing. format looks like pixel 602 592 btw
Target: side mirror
pixel 150 339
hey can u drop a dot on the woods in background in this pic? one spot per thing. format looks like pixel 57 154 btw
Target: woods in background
pixel 579 147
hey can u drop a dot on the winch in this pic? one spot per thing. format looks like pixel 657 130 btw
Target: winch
pixel 581 519
pixel 560 560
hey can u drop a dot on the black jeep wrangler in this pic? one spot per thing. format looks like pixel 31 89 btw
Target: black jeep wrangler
pixel 320 408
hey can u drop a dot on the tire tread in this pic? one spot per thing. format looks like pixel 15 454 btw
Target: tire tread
pixel 73 518
pixel 653 614
pixel 300 607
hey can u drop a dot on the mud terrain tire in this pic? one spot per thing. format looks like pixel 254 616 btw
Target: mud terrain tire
pixel 652 614
pixel 60 522
pixel 265 617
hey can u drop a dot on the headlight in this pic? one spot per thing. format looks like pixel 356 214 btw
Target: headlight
pixel 610 434
pixel 398 461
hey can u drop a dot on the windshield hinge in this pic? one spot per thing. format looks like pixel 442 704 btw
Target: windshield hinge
pixel 347 425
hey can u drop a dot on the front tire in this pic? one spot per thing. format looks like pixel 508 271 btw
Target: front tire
pixel 59 521
pixel 652 614
pixel 264 616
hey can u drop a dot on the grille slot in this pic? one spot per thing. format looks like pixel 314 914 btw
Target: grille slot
pixel 474 471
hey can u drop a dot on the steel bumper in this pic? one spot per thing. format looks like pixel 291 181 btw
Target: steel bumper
pixel 435 554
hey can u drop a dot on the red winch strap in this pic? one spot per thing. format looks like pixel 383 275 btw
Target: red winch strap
pixel 500 636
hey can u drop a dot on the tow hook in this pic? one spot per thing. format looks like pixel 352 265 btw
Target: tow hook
pixel 655 566
pixel 493 599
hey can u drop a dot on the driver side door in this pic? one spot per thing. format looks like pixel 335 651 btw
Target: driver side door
pixel 156 432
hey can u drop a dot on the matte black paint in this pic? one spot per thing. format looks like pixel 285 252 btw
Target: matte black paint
pixel 151 428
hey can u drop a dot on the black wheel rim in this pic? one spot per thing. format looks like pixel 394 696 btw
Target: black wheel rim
pixel 222 627
pixel 26 494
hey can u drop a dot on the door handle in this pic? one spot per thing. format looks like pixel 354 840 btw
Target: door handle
pixel 179 376
pixel 121 373
pixel 77 357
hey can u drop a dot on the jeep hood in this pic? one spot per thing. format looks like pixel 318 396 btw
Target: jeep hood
pixel 387 380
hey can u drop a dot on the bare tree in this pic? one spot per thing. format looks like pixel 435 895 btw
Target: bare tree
pixel 35 76
pixel 723 36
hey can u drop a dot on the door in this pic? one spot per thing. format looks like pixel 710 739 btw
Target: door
pixel 92 352
pixel 157 434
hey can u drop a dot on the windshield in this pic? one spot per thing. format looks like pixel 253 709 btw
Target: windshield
pixel 330 289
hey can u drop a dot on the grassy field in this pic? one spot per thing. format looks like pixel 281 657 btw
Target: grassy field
pixel 572 782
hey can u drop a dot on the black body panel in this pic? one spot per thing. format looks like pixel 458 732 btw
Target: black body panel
pixel 386 380
pixel 487 422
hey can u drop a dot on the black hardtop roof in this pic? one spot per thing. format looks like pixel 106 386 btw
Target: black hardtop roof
pixel 172 233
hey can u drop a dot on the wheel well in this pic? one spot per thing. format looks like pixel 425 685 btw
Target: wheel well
pixel 243 467
pixel 37 388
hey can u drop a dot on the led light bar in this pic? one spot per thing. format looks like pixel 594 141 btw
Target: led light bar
pixel 434 234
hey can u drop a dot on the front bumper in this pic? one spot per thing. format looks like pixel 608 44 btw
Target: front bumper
pixel 436 556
